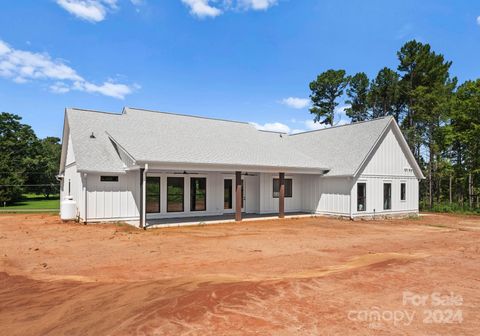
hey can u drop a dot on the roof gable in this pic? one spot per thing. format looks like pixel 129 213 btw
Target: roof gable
pixel 343 148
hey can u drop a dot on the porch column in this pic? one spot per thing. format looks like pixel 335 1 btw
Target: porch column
pixel 141 207
pixel 281 196
pixel 238 196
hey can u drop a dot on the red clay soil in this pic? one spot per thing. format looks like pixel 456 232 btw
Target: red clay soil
pixel 310 276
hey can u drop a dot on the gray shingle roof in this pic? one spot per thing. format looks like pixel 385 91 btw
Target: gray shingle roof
pixel 344 147
pixel 172 138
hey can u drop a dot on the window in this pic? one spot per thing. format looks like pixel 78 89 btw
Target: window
pixel 403 191
pixel 387 196
pixel 227 194
pixel 109 178
pixel 361 196
pixel 198 194
pixel 175 189
pixel 288 188
pixel 152 204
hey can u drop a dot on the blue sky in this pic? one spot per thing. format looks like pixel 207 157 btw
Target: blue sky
pixel 234 59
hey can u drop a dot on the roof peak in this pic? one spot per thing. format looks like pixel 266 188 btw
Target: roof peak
pixel 183 115
pixel 92 111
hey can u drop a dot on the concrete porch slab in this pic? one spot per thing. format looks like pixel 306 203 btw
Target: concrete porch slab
pixel 209 220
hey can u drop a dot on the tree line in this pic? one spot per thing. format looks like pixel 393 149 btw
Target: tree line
pixel 27 163
pixel 439 118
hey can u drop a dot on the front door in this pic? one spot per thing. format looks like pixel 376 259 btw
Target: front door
pixel 229 195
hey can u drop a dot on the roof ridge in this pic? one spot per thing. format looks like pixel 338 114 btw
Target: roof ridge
pixel 187 115
pixel 350 124
pixel 90 110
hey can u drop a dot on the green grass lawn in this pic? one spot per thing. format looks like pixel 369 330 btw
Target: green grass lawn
pixel 34 203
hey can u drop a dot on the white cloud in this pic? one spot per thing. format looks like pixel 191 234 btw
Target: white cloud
pixel 273 127
pixel 107 89
pixel 24 66
pixel 89 10
pixel 297 103
pixel 478 20
pixel 257 4
pixel 59 87
pixel 202 8
pixel 213 8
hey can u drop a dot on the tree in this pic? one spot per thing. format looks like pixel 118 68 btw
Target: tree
pixel 466 130
pixel 384 95
pixel 427 89
pixel 326 89
pixel 43 165
pixel 357 93
pixel 420 67
pixel 16 141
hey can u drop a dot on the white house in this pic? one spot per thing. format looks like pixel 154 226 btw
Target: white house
pixel 143 166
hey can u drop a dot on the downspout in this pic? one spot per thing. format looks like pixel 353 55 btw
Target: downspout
pixel 351 198
pixel 86 197
pixel 143 192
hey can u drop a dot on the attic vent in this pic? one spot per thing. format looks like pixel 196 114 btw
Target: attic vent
pixel 92 136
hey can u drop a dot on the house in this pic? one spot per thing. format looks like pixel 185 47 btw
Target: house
pixel 143 166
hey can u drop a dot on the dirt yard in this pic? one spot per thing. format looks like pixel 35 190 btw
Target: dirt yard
pixel 311 276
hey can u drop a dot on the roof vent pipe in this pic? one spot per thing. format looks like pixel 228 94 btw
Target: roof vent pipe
pixel 92 136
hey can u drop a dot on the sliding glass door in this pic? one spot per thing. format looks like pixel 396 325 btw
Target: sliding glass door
pixel 175 194
pixel 153 195
pixel 198 194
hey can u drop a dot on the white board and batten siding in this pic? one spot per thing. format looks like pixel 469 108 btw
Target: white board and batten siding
pixel 326 195
pixel 269 204
pixel 388 164
pixel 113 200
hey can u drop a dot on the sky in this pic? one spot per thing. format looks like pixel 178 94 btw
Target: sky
pixel 246 60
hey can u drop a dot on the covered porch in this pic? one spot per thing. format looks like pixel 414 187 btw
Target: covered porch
pixel 192 197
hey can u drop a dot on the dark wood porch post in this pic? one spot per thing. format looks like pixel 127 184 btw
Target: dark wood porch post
pixel 281 196
pixel 238 196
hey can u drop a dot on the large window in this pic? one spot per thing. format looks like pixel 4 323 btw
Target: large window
pixel 153 195
pixel 387 196
pixel 175 192
pixel 198 194
pixel 361 196
pixel 288 188
pixel 227 194
pixel 403 191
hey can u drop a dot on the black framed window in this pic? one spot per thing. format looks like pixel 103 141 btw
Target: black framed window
pixel 403 191
pixel 198 194
pixel 387 196
pixel 109 178
pixel 361 196
pixel 152 204
pixel 227 194
pixel 288 188
pixel 175 194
